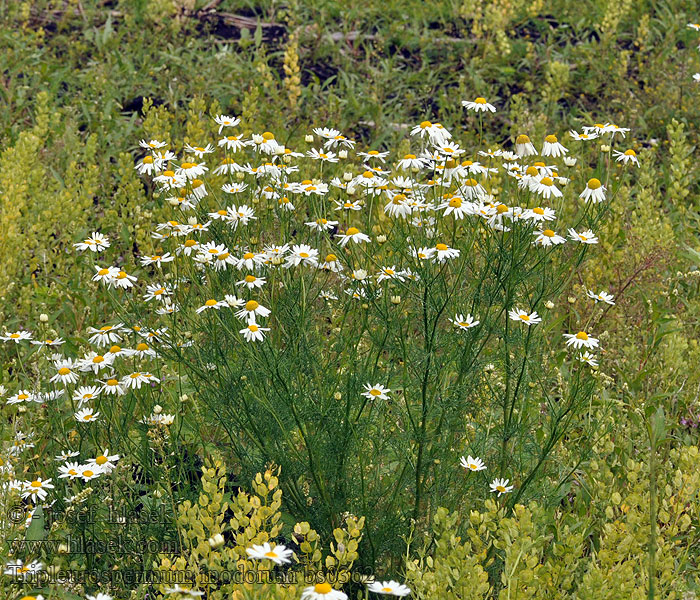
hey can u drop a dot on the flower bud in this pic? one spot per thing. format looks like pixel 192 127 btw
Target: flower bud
pixel 343 154
pixel 309 138
pixel 569 161
pixel 396 299
pixel 381 239
pixel 216 541
pixel 347 176
pixel 337 396
pixel 604 148
pixel 157 409
pixel 44 318
pixel 549 304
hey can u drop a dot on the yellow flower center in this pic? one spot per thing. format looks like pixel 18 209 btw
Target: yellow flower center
pixel 251 305
pixel 551 139
pixel 525 317
pixel 480 100
pixel 538 211
pixel 122 275
pixel 115 349
pixel 210 303
pixel 593 184
pixel 501 489
pixel 100 460
pixel 169 173
pixel 88 473
pixel 522 139
pixel 501 208
pixel 331 258
pixel 248 255
pixel 87 417
pixel 148 160
pixel 471 182
pixel 387 590
pixel 64 371
pixel 425 124
pixel 441 247
pixel 531 171
pixel 352 231
pixel 268 136
pixel 101 273
pixel 112 382
pixel 546 181
pixel 323 588
pixel 271 554
pixel 22 396
pixel 582 335
pixel 253 327
pixel 304 254
pixel 187 165
pixel 98 359
pixel 630 152
pixel 548 233
pixel 36 484
pixel 410 156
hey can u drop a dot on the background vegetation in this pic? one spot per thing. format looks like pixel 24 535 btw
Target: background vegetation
pixel 83 81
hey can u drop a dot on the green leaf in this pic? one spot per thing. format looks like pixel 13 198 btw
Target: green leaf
pixel 36 530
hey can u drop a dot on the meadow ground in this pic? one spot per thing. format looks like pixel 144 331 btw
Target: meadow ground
pixel 326 300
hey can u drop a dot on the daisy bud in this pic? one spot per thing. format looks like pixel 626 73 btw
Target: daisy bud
pixel 184 398
pixel 350 190
pixel 63 549
pixel 571 300
pixel 192 220
pixel 381 239
pixel 157 409
pixel 365 306
pixel 240 176
pixel 343 154
pixel 277 260
pixel 21 408
pixel 44 318
pixel 216 541
pixel 157 493
pixel 489 368
pixel 337 396
pixel 396 299
pixel 309 139
pixel 549 304
pixel 347 176
pixel 569 161
pixel 604 148
pixel 287 159
pixel 360 274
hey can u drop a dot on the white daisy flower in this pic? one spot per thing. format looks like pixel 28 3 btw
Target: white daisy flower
pixel 585 237
pixel 552 147
pixel 601 297
pixel 376 392
pixel 462 322
pixel 472 463
pixel 392 588
pixel 581 340
pixel 478 105
pixel 523 316
pixel 279 554
pixel 501 486
pixel 322 591
pixel 548 237
pixel 594 192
